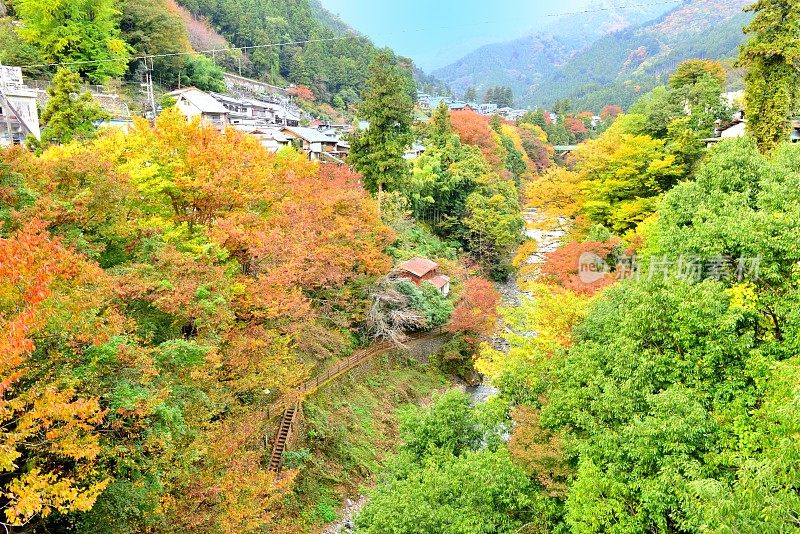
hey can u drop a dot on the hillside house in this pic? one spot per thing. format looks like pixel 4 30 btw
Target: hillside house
pixel 193 102
pixel 18 108
pixel 419 270
pixel 487 109
pixel 504 112
pixel 424 100
pixel 316 145
pixel 252 112
pixel 434 102
pixel 414 151
pixel 271 138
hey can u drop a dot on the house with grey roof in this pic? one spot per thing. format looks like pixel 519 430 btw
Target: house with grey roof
pixel 194 103
pixel 19 115
pixel 317 145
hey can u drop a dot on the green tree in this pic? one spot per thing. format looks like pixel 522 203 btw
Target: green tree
pixel 150 28
pixel 562 107
pixel 623 176
pixel 70 113
pixel 448 425
pixel 501 96
pixel 442 128
pixel 443 480
pixel 471 95
pixel 15 51
pixel 772 83
pixel 692 70
pixel 83 32
pixel 204 74
pixel 479 492
pixel 387 105
pixel 643 397
pixel 493 226
pixel 428 301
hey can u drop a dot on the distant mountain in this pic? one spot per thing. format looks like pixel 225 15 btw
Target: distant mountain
pixel 621 66
pixel 525 63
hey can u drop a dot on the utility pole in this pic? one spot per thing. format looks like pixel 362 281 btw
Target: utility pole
pixel 148 89
pixel 6 105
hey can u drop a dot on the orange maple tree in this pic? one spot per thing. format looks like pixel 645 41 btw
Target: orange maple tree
pixel 302 91
pixel 562 266
pixel 49 439
pixel 476 311
pixel 474 129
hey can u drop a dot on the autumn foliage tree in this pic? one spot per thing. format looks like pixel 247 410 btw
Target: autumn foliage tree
pixel 158 289
pixel 475 313
pixel 474 129
pixel 610 112
pixel 564 266
pixel 303 92
pixel 50 437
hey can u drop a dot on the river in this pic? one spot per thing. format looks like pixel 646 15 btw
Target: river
pixel 512 294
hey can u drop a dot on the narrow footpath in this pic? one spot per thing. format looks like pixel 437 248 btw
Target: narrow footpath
pixel 289 405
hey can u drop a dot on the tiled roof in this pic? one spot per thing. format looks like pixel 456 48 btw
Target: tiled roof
pixel 440 281
pixel 310 134
pixel 201 100
pixel 418 266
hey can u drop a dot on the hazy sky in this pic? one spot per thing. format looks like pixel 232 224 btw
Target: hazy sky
pixel 435 33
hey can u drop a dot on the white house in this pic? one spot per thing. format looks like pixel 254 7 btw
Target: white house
pixel 414 151
pixel 487 109
pixel 193 102
pixel 736 130
pixel 18 110
pixel 317 145
pixel 271 138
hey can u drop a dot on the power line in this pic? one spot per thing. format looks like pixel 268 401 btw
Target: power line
pixel 192 53
pixel 309 41
pixel 611 8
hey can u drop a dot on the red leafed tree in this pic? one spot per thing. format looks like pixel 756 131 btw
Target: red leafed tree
pixel 610 112
pixel 301 91
pixel 476 311
pixel 324 233
pixel 563 266
pixel 575 126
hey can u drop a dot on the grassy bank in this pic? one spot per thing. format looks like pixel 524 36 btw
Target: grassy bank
pixel 348 429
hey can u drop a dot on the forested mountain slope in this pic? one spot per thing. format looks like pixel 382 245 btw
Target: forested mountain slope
pixel 526 62
pixel 620 67
pixel 334 64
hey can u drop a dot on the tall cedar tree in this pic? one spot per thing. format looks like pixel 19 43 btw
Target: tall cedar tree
pixel 471 95
pixel 387 105
pixel 70 113
pixel 771 56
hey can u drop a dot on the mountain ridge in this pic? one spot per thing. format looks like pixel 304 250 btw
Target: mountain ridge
pixel 621 66
pixel 603 58
pixel 528 60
